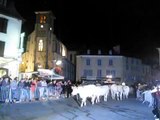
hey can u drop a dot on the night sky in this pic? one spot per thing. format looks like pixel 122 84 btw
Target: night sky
pixel 93 24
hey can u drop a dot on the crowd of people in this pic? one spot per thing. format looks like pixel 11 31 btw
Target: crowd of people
pixel 155 94
pixel 38 89
pixel 32 89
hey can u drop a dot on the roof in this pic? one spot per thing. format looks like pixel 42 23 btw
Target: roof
pixel 99 56
pixel 4 61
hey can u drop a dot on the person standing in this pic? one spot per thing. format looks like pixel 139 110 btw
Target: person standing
pixel 33 89
pixel 156 106
pixel 69 88
pixel 5 89
pixel 14 90
pixel 27 86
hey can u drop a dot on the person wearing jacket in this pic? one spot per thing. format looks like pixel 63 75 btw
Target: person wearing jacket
pixel 156 106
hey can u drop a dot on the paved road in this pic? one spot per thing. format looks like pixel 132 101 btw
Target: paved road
pixel 68 109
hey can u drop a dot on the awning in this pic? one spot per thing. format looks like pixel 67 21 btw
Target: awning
pixel 4 61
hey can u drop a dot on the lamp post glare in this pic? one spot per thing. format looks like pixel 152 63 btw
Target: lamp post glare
pixel 59 62
pixel 109 76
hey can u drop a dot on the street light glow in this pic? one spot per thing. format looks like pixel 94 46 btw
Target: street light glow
pixel 109 76
pixel 59 62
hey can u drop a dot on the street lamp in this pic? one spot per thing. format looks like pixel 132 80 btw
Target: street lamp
pixel 109 76
pixel 39 66
pixel 58 62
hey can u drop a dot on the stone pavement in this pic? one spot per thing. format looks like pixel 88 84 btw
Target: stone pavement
pixel 68 109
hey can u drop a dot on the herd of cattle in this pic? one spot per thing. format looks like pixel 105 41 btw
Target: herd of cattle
pixel 94 92
pixel 116 92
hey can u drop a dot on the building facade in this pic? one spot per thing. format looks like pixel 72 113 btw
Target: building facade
pixel 11 39
pixel 44 50
pixel 98 67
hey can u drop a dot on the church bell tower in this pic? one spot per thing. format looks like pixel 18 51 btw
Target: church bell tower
pixel 43 31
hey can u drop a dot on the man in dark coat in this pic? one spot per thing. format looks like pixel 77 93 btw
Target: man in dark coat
pixel 69 88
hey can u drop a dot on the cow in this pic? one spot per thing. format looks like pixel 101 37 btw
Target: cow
pixel 101 91
pixel 85 92
pixel 125 91
pixel 116 91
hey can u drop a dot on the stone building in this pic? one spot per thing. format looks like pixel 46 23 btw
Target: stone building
pixel 44 50
pixel 11 39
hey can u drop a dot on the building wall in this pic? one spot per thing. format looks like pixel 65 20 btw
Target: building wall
pixel 72 56
pixel 68 70
pixel 110 65
pixel 127 69
pixel 12 37
pixel 13 41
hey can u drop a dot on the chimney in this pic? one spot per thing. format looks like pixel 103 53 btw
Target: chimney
pixel 88 51
pixel 99 52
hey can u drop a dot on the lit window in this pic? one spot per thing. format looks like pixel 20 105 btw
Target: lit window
pixel 40 45
pixel 42 19
pixel 63 52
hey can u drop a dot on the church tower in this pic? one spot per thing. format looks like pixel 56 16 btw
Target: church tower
pixel 43 36
pixel 45 51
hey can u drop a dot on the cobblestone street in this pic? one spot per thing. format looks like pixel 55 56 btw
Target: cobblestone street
pixel 68 109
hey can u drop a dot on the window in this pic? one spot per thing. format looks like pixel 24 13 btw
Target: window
pixel 88 61
pixel 137 62
pixel 127 60
pixel 108 72
pixel 110 62
pixel 87 73
pixel 3 25
pixel 63 51
pixel 132 61
pixel 90 72
pixel 2 44
pixel 113 73
pixel 99 73
pixel 99 62
pixel 42 19
pixel 40 45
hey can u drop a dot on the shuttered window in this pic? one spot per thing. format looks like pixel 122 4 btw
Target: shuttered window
pixel 2 45
pixel 3 25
